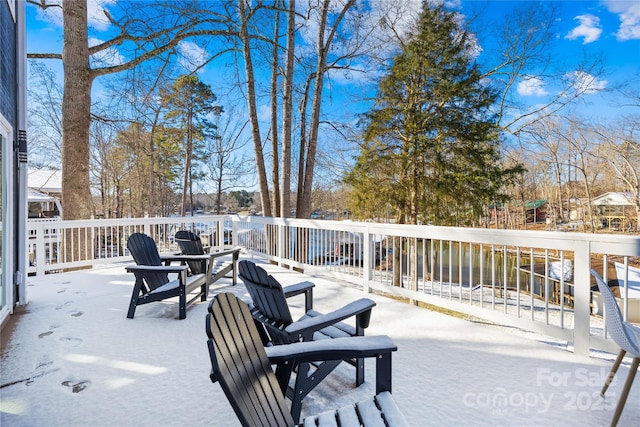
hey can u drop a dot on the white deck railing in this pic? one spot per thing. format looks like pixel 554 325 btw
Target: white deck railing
pixel 537 281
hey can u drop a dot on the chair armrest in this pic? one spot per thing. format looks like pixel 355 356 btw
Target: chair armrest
pixel 306 327
pixel 285 357
pixel 157 268
pixel 297 288
pixel 224 252
pixel 305 288
pixel 184 258
pixel 334 349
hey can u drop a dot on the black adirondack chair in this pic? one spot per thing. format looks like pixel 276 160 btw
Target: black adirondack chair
pixel 152 276
pixel 220 263
pixel 270 308
pixel 242 366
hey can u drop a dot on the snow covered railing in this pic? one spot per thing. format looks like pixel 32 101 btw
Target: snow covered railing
pixel 479 272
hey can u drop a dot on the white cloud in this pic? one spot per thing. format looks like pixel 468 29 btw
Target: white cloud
pixel 95 14
pixel 586 83
pixel 264 113
pixel 629 14
pixel 107 57
pixel 51 15
pixel 531 86
pixel 192 56
pixel 589 28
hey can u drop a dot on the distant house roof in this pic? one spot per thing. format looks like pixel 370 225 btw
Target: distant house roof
pixel 535 204
pixel 45 180
pixel 529 204
pixel 613 198
pixel 36 196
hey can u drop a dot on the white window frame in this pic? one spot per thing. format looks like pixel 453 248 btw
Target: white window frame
pixel 6 130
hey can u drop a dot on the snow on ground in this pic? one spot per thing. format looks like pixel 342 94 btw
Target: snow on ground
pixel 72 358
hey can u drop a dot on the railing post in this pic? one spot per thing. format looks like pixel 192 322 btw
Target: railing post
pixel 40 250
pixel 219 234
pixel 581 303
pixel 234 231
pixel 281 243
pixel 367 264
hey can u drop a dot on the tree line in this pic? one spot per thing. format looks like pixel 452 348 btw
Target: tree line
pixel 442 139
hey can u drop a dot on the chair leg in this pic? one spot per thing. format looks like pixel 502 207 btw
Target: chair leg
pixel 134 298
pixel 204 290
pixel 625 391
pixel 132 308
pixel 359 372
pixel 613 371
pixel 299 392
pixel 182 304
pixel 383 373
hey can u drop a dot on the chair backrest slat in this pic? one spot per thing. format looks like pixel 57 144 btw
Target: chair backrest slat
pixel 144 251
pixel 190 244
pixel 241 365
pixel 267 294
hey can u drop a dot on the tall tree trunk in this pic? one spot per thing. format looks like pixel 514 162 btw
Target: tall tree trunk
pixel 151 210
pixel 304 208
pixel 219 195
pixel 253 112
pixel 275 143
pixel 287 105
pixel 304 146
pixel 76 108
pixel 186 185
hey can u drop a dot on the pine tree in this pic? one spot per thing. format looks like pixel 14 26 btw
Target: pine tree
pixel 431 147
pixel 190 101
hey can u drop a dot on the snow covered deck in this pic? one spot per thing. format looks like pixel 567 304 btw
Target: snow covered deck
pixel 72 358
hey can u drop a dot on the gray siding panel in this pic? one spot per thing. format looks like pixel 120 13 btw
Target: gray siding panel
pixel 8 66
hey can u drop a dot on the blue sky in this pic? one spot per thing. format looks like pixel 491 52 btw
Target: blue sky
pixel 609 29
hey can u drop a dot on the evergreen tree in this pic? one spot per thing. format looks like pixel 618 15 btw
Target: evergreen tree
pixel 431 147
pixel 190 101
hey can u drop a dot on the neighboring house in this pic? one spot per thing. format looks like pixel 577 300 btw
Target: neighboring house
pixel 615 210
pixel 45 192
pixel 535 210
pixel 46 181
pixel 13 142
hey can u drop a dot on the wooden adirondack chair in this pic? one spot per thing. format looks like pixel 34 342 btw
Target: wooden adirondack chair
pixel 242 366
pixel 220 264
pixel 152 276
pixel 270 308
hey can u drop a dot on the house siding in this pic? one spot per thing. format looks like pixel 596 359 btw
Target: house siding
pixel 8 64
pixel 14 162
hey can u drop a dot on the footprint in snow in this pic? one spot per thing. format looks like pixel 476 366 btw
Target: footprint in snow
pixel 49 332
pixel 60 307
pixel 76 387
pixel 76 313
